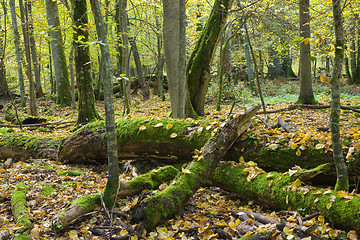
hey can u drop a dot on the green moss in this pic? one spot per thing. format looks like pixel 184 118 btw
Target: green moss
pixel 281 194
pixel 88 202
pixel 70 173
pixel 20 212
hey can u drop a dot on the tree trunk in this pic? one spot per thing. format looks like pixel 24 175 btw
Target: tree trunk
pixel 17 52
pixel 135 52
pixel 160 60
pixel 86 109
pixel 112 184
pixel 25 27
pixel 249 63
pixel 72 75
pixel 123 50
pixel 342 182
pixel 63 90
pixel 34 55
pixel 306 95
pixel 174 50
pixel 198 66
pixel 155 209
pixel 282 191
pixel 4 90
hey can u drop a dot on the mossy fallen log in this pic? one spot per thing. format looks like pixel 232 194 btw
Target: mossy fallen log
pixel 81 206
pixel 138 138
pixel 286 191
pixel 164 205
pixel 20 212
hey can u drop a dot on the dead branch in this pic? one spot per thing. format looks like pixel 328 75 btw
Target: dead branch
pixel 307 106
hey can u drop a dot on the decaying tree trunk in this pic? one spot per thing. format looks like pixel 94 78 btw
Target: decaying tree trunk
pixel 155 209
pixel 286 191
pixel 86 204
pixel 20 212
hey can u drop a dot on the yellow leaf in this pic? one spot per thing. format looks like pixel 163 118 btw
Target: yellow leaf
pixel 232 225
pixel 287 199
pixel 142 127
pixel 319 146
pixel 352 235
pixel 316 200
pixel 248 234
pixel 169 126
pixel 273 146
pixel 202 221
pixel 288 231
pixel 324 78
pixel 173 135
pixel 306 41
pixel 294 146
pixel 329 205
pixel 295 185
pixel 251 164
pixel 160 124
pixel 123 232
pixel 321 219
pixel 242 161
pixel 298 152
pixel 342 194
pixel 185 170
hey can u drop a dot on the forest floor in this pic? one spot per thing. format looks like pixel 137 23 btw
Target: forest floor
pixel 51 186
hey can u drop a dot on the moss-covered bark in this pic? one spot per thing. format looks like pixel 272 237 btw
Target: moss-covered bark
pixel 81 206
pixel 76 209
pixel 286 192
pixel 19 210
pixel 198 66
pixel 164 205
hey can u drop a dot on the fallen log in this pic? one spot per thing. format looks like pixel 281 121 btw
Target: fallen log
pixel 286 191
pixel 81 206
pixel 164 205
pixel 307 106
pixel 20 212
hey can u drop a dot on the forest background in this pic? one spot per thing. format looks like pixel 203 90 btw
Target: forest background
pixel 259 45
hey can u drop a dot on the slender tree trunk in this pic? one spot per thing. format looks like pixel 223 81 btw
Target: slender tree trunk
pixel 86 109
pixel 198 66
pixel 25 28
pixel 123 50
pixel 63 90
pixel 72 76
pixel 34 55
pixel 4 90
pixel 174 49
pixel 342 182
pixel 112 184
pixel 249 63
pixel 51 75
pixel 306 95
pixel 18 52
pixel 160 59
pixel 139 69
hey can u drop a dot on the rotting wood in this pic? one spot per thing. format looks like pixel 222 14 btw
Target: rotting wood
pixel 36 124
pixel 20 212
pixel 150 180
pixel 285 191
pixel 164 205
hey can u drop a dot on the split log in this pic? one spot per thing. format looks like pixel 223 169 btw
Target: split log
pixel 285 191
pixel 20 212
pixel 164 205
pixel 81 206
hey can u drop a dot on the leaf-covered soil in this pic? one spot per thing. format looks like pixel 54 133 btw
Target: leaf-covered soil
pixel 52 185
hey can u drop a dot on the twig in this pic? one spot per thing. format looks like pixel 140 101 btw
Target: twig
pixel 105 209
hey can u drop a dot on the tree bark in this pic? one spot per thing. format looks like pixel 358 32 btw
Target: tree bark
pixel 34 55
pixel 112 184
pixel 174 50
pixel 282 191
pixel 153 210
pixel 198 66
pixel 25 28
pixel 63 90
pixel 306 95
pixel 135 52
pixel 86 109
pixel 17 52
pixel 342 182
